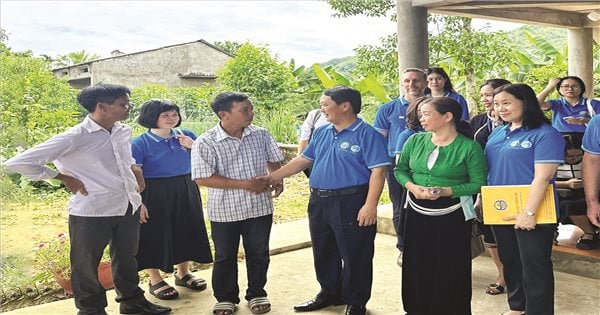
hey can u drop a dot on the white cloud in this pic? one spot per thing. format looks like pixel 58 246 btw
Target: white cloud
pixel 303 30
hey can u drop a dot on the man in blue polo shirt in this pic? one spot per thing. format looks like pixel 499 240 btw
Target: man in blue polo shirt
pixel 349 164
pixel 390 121
pixel 591 169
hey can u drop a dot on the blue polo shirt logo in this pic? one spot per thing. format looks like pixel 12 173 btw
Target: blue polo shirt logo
pixel 514 144
pixel 526 144
pixel 583 113
pixel 500 205
pixel 355 148
pixel 344 145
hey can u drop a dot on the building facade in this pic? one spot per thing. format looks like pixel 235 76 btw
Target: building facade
pixel 182 65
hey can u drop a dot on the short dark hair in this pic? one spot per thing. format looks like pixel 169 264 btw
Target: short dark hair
pixel 412 112
pixel 533 117
pixel 571 77
pixel 224 101
pixel 495 83
pixel 340 94
pixel 447 85
pixel 101 93
pixel 444 105
pixel 151 110
pixel 573 140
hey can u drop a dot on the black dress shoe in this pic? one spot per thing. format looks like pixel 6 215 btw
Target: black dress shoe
pixel 143 307
pixel 316 304
pixel 356 310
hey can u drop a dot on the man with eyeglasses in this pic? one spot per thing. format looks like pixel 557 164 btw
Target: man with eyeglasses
pixel 572 111
pixel 390 121
pixel 94 161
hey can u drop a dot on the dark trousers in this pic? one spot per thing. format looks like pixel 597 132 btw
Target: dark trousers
pixel 89 236
pixel 255 235
pixel 342 250
pixel 526 256
pixel 397 196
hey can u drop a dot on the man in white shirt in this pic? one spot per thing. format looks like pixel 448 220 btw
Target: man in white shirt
pixel 94 162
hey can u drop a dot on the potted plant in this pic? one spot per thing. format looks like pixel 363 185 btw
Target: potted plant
pixel 52 261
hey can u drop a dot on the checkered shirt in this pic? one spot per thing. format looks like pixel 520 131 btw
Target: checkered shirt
pixel 217 153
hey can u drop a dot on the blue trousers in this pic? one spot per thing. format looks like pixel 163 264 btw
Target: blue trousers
pixel 342 250
pixel 255 233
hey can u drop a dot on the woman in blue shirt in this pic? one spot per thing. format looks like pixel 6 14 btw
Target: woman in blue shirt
pixel 572 111
pixel 525 151
pixel 439 84
pixel 173 230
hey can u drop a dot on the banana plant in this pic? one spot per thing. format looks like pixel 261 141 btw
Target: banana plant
pixel 329 78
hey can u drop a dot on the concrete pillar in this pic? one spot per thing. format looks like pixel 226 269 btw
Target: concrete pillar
pixel 580 56
pixel 412 36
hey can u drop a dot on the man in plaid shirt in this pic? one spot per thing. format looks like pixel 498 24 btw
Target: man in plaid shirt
pixel 227 159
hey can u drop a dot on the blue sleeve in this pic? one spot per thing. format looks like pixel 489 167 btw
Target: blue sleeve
pixel 375 152
pixel 381 122
pixel 591 137
pixel 465 107
pixel 137 150
pixel 189 133
pixel 554 103
pixel 549 147
pixel 402 137
pixel 596 106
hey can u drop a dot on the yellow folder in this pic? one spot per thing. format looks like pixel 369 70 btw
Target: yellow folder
pixel 499 202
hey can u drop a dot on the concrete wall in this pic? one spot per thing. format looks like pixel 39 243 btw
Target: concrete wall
pixel 160 66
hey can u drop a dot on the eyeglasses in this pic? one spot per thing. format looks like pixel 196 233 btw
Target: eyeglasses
pixel 572 87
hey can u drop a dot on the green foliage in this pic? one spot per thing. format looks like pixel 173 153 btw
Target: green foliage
pixel 466 50
pixel 255 72
pixel 346 8
pixel 34 105
pixel 75 57
pixel 228 46
pixel 329 78
pixel 379 61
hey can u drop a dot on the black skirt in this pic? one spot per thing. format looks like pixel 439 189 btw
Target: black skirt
pixel 175 231
pixel 436 268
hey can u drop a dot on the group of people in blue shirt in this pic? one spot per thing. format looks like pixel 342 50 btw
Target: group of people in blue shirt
pixel 522 147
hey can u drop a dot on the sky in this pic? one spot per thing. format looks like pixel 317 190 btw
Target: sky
pixel 303 30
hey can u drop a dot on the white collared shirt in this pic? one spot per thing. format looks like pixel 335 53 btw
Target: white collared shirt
pixel 101 160
pixel 216 152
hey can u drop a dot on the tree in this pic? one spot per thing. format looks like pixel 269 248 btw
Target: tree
pixel 34 105
pixel 255 72
pixel 228 46
pixel 467 53
pixel 74 58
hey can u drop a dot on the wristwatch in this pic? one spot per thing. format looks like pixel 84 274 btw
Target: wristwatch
pixel 530 213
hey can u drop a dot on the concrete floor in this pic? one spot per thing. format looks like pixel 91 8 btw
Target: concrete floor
pixel 292 280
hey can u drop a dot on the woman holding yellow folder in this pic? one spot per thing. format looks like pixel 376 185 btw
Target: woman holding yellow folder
pixel 525 151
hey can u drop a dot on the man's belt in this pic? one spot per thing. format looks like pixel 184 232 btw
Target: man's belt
pixel 339 192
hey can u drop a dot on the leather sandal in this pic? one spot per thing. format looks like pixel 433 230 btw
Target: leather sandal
pixel 495 289
pixel 191 282
pixel 163 291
